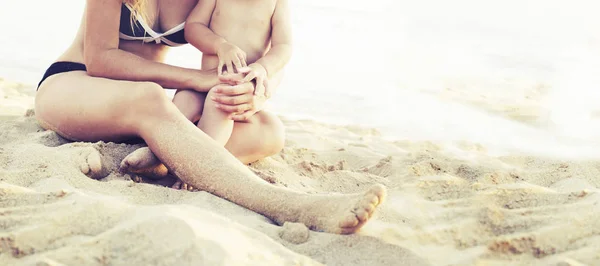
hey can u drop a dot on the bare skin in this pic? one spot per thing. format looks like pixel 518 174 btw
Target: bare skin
pixel 110 101
pixel 259 136
pixel 230 39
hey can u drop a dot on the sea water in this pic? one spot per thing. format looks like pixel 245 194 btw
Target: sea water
pixel 385 64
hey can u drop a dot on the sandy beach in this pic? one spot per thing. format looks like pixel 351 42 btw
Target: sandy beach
pixel 450 203
pixel 480 117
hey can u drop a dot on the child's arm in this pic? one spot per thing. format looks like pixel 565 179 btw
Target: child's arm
pixel 281 40
pixel 200 36
pixel 281 48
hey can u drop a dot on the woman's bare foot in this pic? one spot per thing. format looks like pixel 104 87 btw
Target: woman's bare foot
pixel 339 214
pixel 143 162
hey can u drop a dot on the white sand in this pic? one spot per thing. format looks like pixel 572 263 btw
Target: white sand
pixel 449 204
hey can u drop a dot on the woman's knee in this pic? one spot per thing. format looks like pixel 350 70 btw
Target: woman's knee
pixel 149 92
pixel 148 99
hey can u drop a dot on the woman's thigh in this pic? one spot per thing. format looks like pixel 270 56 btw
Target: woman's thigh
pixel 80 107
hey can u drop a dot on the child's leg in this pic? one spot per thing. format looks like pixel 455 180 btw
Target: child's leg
pixel 215 122
pixel 190 103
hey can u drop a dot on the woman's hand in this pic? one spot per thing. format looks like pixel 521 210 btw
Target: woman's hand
pixel 234 78
pixel 230 56
pixel 258 73
pixel 238 100
pixel 198 80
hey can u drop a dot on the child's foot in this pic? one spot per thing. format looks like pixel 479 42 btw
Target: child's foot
pixel 180 185
pixel 143 162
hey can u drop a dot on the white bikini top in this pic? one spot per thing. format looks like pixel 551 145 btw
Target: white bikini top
pixel 141 31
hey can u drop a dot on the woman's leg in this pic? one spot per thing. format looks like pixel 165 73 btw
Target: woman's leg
pixel 261 136
pixel 92 109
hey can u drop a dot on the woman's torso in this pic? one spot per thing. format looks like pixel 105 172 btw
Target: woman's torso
pixel 162 15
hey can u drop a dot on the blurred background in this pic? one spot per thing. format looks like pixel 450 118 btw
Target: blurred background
pixel 515 75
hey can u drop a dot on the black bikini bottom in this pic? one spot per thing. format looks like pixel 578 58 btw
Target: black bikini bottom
pixel 61 67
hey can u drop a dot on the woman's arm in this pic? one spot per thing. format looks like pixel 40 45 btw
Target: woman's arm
pixel 281 40
pixel 103 58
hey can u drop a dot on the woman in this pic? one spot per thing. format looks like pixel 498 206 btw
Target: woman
pixel 108 85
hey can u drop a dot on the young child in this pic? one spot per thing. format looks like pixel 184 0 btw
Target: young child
pixel 234 36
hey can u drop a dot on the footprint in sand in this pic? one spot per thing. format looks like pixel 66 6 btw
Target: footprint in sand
pixel 91 164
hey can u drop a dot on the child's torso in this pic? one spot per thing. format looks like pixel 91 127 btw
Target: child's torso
pixel 244 23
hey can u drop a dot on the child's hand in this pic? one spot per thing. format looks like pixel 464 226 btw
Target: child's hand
pixel 259 73
pixel 234 78
pixel 230 56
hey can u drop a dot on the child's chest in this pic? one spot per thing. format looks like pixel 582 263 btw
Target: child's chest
pixel 248 12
